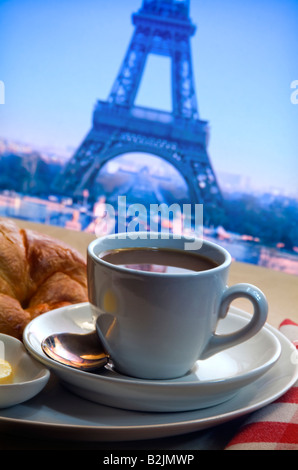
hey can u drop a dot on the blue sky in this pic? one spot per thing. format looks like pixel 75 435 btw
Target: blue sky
pixel 57 57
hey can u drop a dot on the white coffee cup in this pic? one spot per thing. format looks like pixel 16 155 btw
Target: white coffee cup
pixel 157 325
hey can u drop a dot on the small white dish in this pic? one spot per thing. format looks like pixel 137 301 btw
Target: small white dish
pixel 29 375
pixel 209 383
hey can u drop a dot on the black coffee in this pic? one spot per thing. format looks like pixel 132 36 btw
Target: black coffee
pixel 158 260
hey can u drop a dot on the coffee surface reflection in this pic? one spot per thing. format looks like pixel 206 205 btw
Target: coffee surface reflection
pixel 158 260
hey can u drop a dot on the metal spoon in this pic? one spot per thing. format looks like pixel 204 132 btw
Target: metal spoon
pixel 81 351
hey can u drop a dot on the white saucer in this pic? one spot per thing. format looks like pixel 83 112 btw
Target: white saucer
pixel 211 382
pixel 56 413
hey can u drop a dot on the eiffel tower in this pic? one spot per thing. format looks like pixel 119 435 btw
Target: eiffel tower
pixel 119 126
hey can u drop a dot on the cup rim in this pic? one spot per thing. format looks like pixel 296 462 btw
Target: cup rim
pixel 206 243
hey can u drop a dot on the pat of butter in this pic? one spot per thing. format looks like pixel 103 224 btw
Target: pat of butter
pixel 6 373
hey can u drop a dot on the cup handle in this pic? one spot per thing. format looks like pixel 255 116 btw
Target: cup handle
pixel 219 342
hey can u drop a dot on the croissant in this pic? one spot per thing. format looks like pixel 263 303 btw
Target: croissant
pixel 37 274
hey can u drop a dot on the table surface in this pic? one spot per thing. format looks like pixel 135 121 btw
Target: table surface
pixel 281 290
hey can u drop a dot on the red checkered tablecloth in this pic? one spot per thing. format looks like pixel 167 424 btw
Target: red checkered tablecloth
pixel 274 427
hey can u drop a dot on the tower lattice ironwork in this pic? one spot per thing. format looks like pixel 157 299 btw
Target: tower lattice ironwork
pixel 119 126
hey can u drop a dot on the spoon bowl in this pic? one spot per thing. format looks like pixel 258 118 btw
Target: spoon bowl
pixel 81 351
